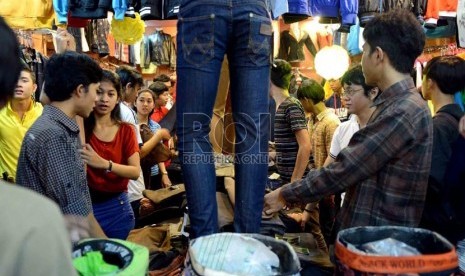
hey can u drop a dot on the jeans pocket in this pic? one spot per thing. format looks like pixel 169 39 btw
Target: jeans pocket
pixel 197 39
pixel 260 32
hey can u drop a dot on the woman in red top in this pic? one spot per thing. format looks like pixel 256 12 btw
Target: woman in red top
pixel 112 157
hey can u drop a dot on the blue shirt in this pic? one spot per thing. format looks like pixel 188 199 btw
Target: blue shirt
pixel 154 127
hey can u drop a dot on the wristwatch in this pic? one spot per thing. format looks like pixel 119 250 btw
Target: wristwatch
pixel 110 166
pixel 164 173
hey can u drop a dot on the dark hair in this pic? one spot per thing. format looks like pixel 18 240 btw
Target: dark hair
pixel 128 74
pixel 355 76
pixel 281 73
pixel 31 73
pixel 10 65
pixel 158 88
pixel 154 97
pixel 113 78
pixel 310 89
pixel 65 72
pixel 115 115
pixel 162 78
pixel 399 34
pixel 448 72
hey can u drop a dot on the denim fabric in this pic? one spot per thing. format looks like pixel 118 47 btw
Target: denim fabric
pixel 207 30
pixel 115 216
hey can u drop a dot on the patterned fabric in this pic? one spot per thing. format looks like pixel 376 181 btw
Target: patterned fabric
pixel 324 128
pixel 50 164
pixel 289 118
pixel 385 168
pixel 97 32
pixel 76 33
pixel 154 126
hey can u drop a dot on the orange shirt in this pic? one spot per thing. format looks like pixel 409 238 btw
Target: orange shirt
pixel 434 7
pixel 159 113
pixel 119 150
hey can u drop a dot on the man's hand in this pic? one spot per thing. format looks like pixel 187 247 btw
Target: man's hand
pixel 274 202
pixel 78 227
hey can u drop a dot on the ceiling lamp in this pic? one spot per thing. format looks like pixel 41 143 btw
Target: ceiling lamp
pixel 332 62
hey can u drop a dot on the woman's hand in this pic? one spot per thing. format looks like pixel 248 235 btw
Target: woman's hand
pixel 163 134
pixel 91 158
pixel 165 181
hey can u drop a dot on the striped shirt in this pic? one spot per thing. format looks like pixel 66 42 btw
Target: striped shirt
pixel 50 164
pixel 384 168
pixel 289 118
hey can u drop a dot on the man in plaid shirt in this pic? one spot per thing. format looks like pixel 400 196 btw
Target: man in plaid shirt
pixel 385 168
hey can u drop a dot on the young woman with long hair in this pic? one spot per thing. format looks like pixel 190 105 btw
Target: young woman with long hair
pixel 155 177
pixel 112 156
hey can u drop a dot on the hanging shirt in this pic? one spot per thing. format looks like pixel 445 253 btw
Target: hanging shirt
pixel 292 50
pixel 28 14
pixel 160 49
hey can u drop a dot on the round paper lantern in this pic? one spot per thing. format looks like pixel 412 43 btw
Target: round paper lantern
pixel 332 62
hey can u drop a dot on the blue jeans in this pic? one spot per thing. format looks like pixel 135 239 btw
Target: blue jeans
pixel 207 30
pixel 115 216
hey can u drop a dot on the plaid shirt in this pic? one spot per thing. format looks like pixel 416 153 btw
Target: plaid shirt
pixel 50 164
pixel 385 168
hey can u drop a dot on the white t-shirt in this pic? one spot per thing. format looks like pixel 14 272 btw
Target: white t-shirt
pixel 135 187
pixel 129 116
pixel 342 135
pixel 341 139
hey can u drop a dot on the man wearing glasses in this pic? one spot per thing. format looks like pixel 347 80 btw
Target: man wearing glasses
pixel 384 169
pixel 358 97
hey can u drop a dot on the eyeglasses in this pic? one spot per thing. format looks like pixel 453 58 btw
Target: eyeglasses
pixel 350 92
